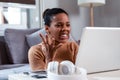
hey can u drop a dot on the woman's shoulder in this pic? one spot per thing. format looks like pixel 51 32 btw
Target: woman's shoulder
pixel 35 47
pixel 35 50
pixel 73 45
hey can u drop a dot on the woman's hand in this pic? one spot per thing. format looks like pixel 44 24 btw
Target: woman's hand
pixel 50 46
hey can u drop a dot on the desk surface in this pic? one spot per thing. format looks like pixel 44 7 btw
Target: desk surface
pixel 23 77
pixel 113 75
pixel 106 78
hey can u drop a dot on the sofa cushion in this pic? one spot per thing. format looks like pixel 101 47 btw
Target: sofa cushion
pixel 34 38
pixel 9 66
pixel 18 47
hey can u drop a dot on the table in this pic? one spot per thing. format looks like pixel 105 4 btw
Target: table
pixel 23 77
pixel 114 75
pixel 106 78
pixel 110 75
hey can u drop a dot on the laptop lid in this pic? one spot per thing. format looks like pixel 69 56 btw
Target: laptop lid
pixel 99 49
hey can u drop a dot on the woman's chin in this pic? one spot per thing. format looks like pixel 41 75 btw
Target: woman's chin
pixel 63 41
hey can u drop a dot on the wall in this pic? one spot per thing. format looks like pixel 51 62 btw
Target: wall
pixel 108 15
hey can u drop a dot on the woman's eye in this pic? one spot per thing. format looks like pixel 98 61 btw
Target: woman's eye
pixel 68 25
pixel 59 25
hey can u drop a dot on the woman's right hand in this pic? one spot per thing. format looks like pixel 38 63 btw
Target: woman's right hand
pixel 49 42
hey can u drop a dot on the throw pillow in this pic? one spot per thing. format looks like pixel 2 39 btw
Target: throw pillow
pixel 16 42
pixel 34 38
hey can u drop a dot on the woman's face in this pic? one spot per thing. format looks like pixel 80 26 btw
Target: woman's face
pixel 60 27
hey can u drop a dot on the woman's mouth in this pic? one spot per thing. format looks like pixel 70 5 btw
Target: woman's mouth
pixel 64 36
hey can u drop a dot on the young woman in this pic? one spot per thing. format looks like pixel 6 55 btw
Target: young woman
pixel 55 45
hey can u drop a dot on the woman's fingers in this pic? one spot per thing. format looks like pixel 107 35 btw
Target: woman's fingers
pixel 43 39
pixel 53 42
pixel 49 42
pixel 58 45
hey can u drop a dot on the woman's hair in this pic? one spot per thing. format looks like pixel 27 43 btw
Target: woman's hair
pixel 49 13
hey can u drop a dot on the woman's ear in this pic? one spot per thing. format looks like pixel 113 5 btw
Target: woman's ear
pixel 47 29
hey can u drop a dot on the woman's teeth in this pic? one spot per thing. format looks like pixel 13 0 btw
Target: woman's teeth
pixel 64 35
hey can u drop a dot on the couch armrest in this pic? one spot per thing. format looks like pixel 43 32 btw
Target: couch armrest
pixel 3 53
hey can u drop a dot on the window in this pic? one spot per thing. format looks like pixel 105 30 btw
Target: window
pixel 20 14
pixel 14 15
pixel 11 15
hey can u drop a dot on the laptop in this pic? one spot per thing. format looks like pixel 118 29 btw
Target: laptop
pixel 99 49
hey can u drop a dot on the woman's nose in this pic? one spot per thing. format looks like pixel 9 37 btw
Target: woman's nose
pixel 65 28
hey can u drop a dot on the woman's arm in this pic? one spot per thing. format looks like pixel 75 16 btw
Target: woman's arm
pixel 36 58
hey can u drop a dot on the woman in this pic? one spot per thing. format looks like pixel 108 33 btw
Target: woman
pixel 55 45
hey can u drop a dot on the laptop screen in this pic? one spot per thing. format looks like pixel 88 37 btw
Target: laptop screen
pixel 99 49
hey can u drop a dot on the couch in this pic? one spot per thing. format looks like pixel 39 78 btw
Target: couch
pixel 14 46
